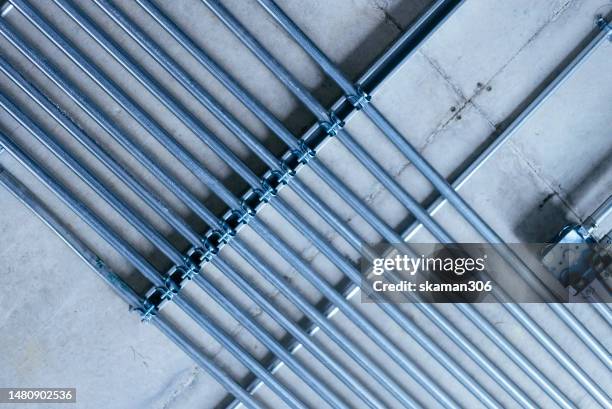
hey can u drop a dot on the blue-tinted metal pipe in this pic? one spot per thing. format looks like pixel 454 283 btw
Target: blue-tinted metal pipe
pixel 168 215
pixel 271 122
pixel 430 173
pixel 584 334
pixel 262 113
pixel 123 247
pixel 436 179
pixel 191 236
pixel 323 116
pixel 193 203
pixel 404 146
pixel 140 263
pixel 208 101
pixel 561 356
pixel 243 134
pixel 346 344
pixel 207 137
pixel 318 110
pixel 122 289
pixel 512 128
pixel 603 310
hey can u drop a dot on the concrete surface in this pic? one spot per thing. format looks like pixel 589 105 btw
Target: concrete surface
pixel 62 327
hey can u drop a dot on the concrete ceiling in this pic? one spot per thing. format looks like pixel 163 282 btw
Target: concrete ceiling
pixel 60 326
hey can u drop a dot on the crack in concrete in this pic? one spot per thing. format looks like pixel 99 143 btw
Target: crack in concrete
pixel 457 89
pixel 556 14
pixel 472 99
pixel 534 170
pixel 436 66
pixel 181 388
pixel 141 357
pixel 387 17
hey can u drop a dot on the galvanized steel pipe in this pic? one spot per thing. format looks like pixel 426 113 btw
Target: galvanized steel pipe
pixel 123 290
pixel 348 346
pixel 124 248
pixel 207 137
pixel 317 109
pixel 408 150
pixel 168 215
pixel 353 384
pixel 431 174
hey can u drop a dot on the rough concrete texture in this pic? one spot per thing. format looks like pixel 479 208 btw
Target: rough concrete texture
pixel 60 326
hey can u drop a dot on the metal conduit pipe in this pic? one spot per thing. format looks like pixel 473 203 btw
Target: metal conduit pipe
pixel 273 123
pixel 594 221
pixel 603 310
pixel 516 356
pixel 346 308
pixel 270 121
pixel 584 334
pixel 498 339
pixel 599 215
pixel 554 84
pixel 208 101
pixel 373 77
pixel 314 106
pixel 461 206
pixel 370 82
pixel 345 344
pixel 257 263
pixel 281 131
pixel 167 214
pixel 370 330
pixel 549 88
pixel 407 150
pixel 235 26
pixel 159 241
pixel 131 255
pixel 122 289
pixel 435 178
pixel 518 312
pixel 570 68
pixel 141 38
pixel 118 17
pixel 333 125
pixel 353 384
pixel 161 208
pixel 600 307
pixel 557 352
pixel 292 257
pixel 150 234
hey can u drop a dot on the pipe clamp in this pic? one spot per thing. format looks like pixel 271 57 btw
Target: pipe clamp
pixel 359 99
pixel 333 125
pixel 604 25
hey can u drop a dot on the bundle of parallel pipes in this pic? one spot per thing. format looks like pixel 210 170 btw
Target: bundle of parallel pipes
pixel 206 248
